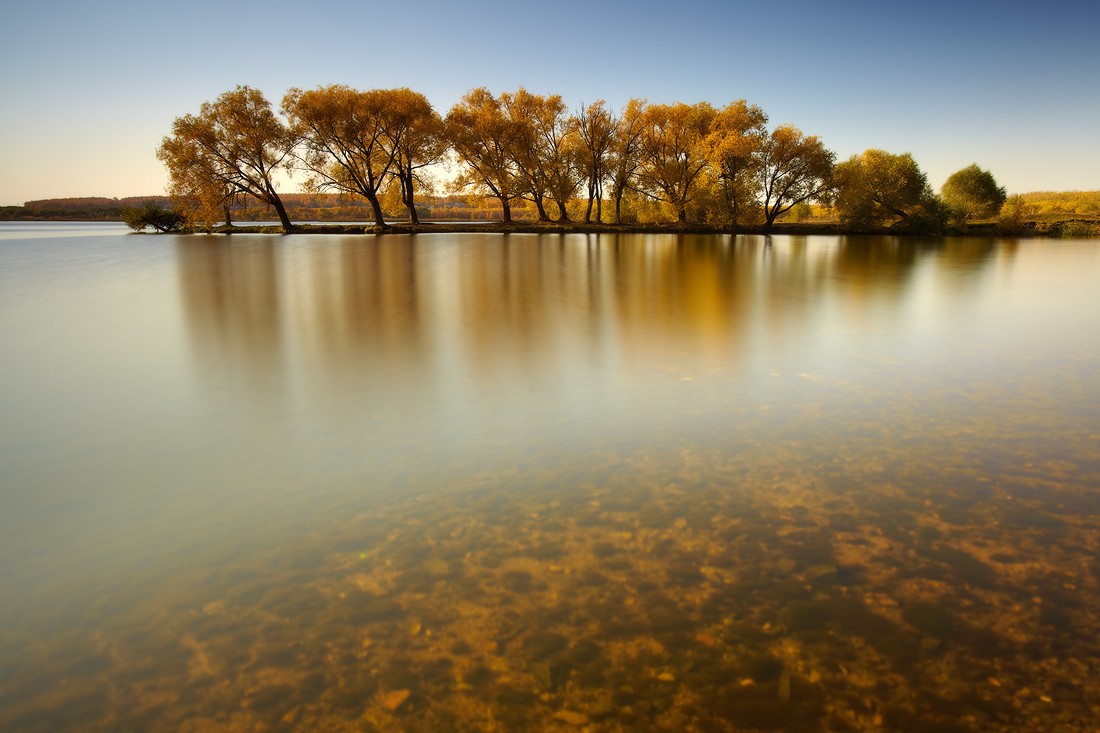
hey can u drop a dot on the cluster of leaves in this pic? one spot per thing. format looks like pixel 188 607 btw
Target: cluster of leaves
pixel 680 161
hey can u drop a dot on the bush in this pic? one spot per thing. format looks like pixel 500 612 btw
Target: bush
pixel 150 215
pixel 972 193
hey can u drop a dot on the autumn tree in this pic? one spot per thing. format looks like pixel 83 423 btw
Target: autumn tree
pixel 674 152
pixel 343 144
pixel 483 137
pixel 793 169
pixel 595 127
pixel 734 145
pixel 973 193
pixel 235 145
pixel 625 152
pixel 543 148
pixel 878 189
pixel 414 131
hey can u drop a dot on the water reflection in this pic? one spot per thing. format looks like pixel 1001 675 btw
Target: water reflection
pixel 232 296
pixel 518 305
pixel 609 483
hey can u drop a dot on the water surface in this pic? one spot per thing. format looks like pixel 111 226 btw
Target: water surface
pixel 542 482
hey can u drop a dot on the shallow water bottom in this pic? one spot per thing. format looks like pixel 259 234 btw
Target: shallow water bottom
pixel 777 588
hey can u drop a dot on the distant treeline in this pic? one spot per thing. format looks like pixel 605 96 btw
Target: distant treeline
pixel 93 208
pixel 1043 204
pixel 302 207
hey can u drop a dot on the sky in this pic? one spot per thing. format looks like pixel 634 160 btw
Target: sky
pixel 88 90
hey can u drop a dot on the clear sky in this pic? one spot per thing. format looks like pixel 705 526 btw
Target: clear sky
pixel 89 89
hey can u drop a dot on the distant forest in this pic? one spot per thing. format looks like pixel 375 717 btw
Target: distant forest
pixel 302 207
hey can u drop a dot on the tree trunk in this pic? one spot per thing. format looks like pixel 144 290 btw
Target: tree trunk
pixel 376 209
pixel 408 197
pixel 543 217
pixel 281 211
pixel 618 207
pixel 563 215
pixel 591 196
pixel 506 211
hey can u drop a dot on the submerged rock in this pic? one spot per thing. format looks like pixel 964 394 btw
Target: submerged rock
pixel 571 717
pixel 395 699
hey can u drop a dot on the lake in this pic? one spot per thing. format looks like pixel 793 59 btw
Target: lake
pixel 478 482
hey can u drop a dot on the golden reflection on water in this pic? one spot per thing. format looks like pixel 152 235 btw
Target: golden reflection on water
pixel 616 483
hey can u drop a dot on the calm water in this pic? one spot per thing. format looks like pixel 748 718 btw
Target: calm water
pixel 484 482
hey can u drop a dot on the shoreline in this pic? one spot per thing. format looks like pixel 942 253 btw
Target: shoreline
pixel 1050 228
pixel 978 229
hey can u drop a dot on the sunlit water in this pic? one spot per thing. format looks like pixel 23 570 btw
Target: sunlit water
pixel 484 482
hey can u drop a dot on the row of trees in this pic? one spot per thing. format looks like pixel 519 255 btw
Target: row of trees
pixel 694 161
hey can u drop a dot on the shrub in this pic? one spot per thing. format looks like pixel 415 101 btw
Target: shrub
pixel 150 215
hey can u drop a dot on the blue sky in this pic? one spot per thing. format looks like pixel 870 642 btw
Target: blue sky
pixel 89 89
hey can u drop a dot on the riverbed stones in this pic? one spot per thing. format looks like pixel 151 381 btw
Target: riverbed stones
pixel 571 717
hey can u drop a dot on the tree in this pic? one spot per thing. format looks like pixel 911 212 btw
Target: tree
pixel 543 148
pixel 414 131
pixel 733 144
pixel 1013 213
pixel 342 133
pixel 235 145
pixel 673 152
pixel 625 153
pixel 877 189
pixel 596 127
pixel 793 169
pixel 152 216
pixel 483 136
pixel 973 193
